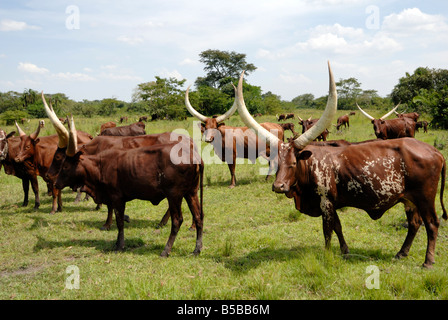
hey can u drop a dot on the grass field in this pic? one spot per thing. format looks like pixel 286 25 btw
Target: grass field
pixel 256 245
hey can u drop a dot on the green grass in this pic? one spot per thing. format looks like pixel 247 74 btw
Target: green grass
pixel 256 245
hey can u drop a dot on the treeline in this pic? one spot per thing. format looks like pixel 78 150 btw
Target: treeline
pixel 425 91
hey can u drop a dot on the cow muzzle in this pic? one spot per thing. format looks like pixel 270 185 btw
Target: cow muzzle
pixel 280 187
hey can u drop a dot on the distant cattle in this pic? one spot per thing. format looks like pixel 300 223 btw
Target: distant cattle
pixel 135 129
pixel 307 124
pixel 422 124
pixel 343 121
pixel 123 119
pixel 393 128
pixel 411 115
pixel 280 117
pixel 104 126
pixel 143 118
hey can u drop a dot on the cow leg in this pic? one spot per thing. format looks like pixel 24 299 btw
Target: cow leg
pixel 56 204
pixel 176 222
pixel 26 188
pixel 198 220
pixel 432 223
pixel 78 196
pixel 164 220
pixel 232 174
pixel 35 187
pixel 108 223
pixel 414 222
pixel 119 217
pixel 331 222
pixel 338 230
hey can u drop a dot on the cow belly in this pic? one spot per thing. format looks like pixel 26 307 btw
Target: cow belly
pixel 377 185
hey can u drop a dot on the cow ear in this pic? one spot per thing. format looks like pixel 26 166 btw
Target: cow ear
pixel 201 125
pixel 304 155
pixel 35 141
pixel 221 124
pixel 9 135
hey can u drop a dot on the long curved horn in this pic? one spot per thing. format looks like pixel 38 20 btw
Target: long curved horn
pixel 390 112
pixel 19 130
pixel 57 124
pixel 72 138
pixel 191 109
pixel 365 113
pixel 229 112
pixel 326 118
pixel 270 138
pixel 36 133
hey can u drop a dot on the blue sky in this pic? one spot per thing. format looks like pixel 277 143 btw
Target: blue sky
pixel 103 49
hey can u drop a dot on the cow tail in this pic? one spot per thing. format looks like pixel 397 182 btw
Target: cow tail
pixel 442 187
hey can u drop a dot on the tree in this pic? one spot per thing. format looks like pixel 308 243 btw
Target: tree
pixel 348 91
pixel 303 101
pixel 222 66
pixel 159 96
pixel 425 90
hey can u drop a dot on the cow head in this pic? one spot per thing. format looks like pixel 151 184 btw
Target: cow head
pixel 378 124
pixel 62 132
pixel 291 155
pixel 4 143
pixel 68 174
pixel 209 125
pixel 27 143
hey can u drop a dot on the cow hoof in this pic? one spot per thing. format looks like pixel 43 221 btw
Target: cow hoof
pixel 400 255
pixel 105 228
pixel 427 265
pixel 231 186
pixel 126 218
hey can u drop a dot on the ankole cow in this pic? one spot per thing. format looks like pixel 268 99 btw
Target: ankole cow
pixel 393 128
pixel 116 176
pixel 230 143
pixel 373 175
pixel 40 151
pixel 101 143
pixel 9 147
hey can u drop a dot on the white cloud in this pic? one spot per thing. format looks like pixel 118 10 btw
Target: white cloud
pixel 414 20
pixel 130 40
pixel 31 68
pixel 13 25
pixel 75 76
pixel 188 62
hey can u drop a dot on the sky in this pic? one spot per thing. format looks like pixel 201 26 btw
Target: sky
pixel 104 49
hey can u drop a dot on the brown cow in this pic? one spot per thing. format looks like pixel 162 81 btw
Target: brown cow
pixel 373 176
pixel 230 143
pixel 393 128
pixel 307 124
pixel 343 121
pixel 135 129
pixel 39 152
pixel 115 176
pixel 9 146
pixel 280 117
pixel 104 126
pixel 412 115
pixel 123 119
pixel 422 124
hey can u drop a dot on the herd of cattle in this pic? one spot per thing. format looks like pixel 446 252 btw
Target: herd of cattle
pixel 124 163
